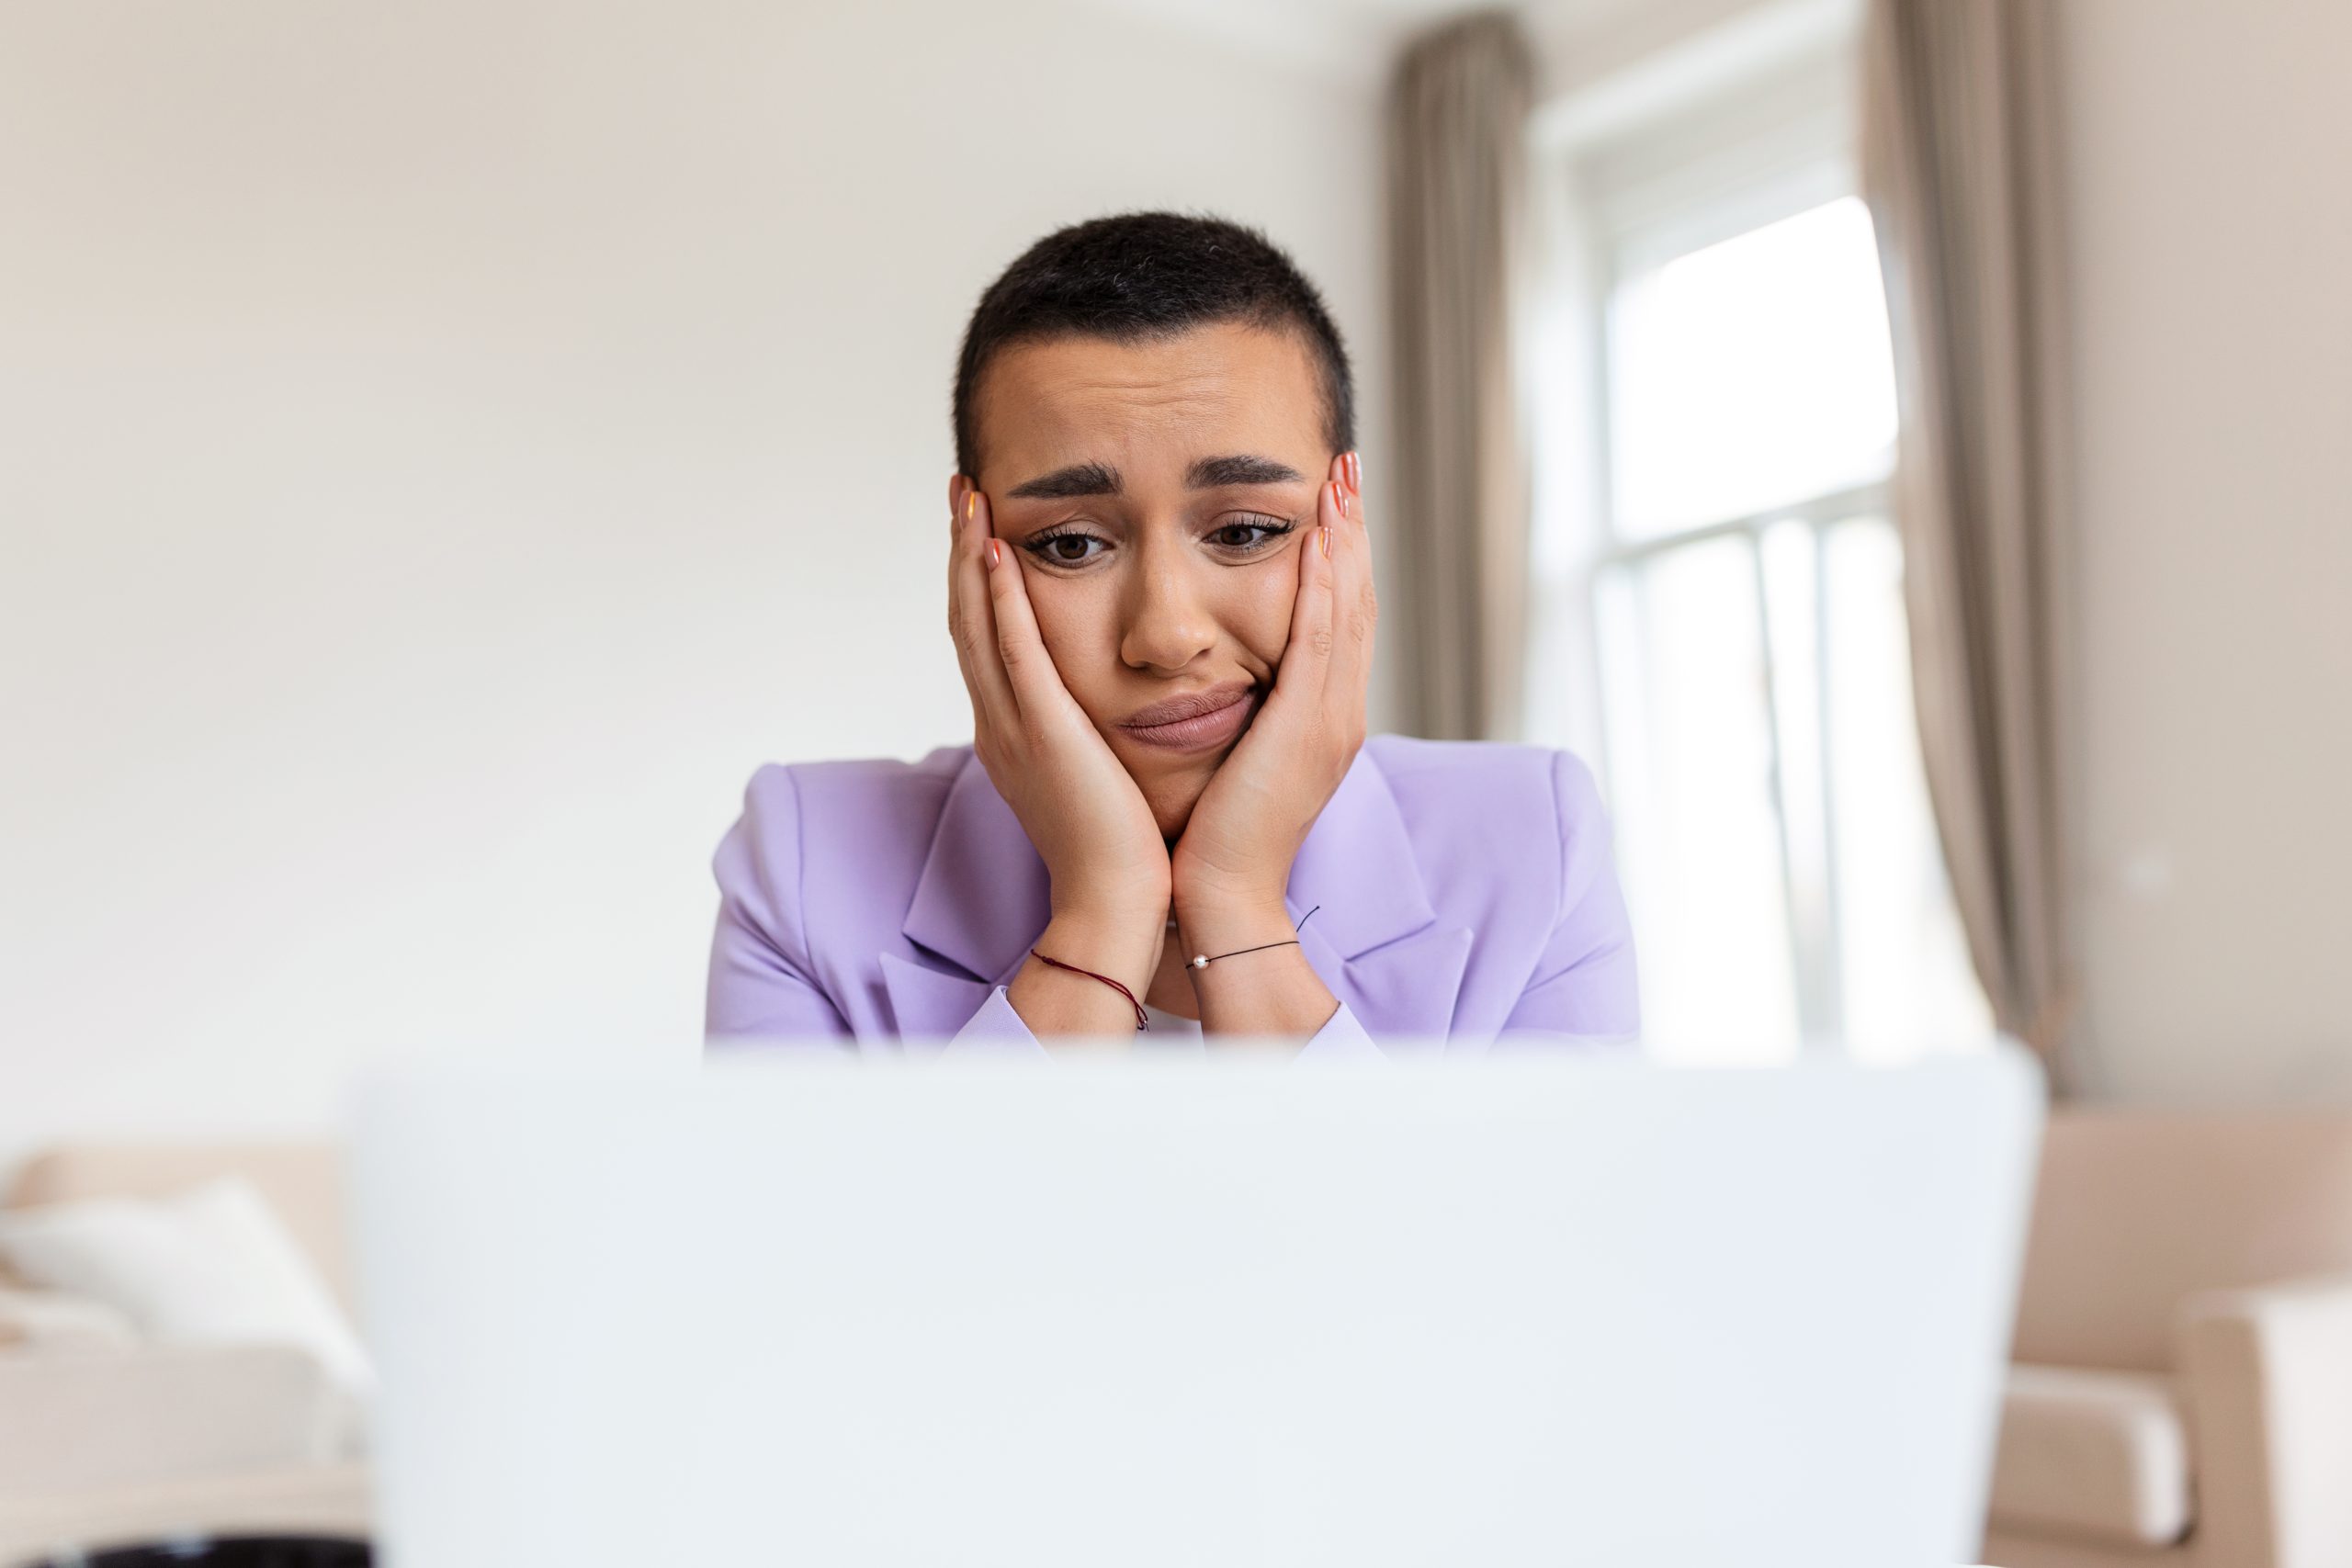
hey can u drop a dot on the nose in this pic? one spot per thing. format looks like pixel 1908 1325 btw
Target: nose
pixel 1167 621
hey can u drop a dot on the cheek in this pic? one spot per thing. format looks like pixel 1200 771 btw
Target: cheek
pixel 1077 622
pixel 1260 620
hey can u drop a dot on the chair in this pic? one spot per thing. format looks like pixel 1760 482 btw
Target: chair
pixel 2182 1392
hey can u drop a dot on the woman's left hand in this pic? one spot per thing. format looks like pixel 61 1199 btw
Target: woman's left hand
pixel 1232 866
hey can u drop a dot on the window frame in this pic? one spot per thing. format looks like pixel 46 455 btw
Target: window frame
pixel 1746 153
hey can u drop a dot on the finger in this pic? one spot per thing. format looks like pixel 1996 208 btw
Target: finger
pixel 954 534
pixel 1346 468
pixel 972 618
pixel 1355 614
pixel 1338 475
pixel 1021 647
pixel 1307 656
pixel 955 560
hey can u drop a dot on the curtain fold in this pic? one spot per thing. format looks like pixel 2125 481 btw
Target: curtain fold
pixel 1959 151
pixel 1457 123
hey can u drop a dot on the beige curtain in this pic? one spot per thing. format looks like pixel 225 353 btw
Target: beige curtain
pixel 1958 153
pixel 1457 120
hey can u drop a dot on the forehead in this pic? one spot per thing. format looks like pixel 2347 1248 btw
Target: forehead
pixel 1157 403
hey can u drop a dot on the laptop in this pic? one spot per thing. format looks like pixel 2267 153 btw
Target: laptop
pixel 1523 1310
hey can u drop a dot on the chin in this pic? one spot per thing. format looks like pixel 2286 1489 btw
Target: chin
pixel 1172 789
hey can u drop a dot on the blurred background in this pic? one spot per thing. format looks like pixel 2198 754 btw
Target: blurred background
pixel 444 448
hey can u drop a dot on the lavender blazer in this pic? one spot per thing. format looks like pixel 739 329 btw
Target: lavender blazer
pixel 1467 891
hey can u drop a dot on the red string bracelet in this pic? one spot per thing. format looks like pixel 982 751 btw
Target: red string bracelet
pixel 1141 1020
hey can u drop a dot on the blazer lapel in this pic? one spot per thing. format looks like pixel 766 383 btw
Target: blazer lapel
pixel 1376 940
pixel 929 1003
pixel 979 905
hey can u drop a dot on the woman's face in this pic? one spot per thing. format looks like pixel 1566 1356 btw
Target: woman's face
pixel 1155 494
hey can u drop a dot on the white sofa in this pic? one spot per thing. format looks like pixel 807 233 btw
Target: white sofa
pixel 111 1444
pixel 2183 1391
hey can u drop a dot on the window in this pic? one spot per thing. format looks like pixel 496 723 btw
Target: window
pixel 1739 589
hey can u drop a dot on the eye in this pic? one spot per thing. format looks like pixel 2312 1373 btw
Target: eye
pixel 1065 547
pixel 1247 535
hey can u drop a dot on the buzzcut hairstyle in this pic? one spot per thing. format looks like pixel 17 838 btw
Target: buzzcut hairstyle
pixel 1138 275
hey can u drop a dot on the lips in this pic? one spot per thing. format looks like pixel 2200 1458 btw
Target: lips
pixel 1195 721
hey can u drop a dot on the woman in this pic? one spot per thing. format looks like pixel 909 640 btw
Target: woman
pixel 1170 820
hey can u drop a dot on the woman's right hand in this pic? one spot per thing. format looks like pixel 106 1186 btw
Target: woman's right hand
pixel 1103 851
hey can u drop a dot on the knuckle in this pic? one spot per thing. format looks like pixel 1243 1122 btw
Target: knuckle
pixel 1318 641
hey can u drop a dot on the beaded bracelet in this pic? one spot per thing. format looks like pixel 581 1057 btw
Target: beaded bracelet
pixel 1202 961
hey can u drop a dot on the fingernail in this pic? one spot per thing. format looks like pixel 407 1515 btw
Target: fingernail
pixel 996 553
pixel 1323 537
pixel 1355 473
pixel 971 505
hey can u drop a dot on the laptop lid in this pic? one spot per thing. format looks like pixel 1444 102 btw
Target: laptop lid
pixel 1525 1310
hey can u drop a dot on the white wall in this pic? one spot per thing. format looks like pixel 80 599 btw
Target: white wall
pixel 2212 214
pixel 444 447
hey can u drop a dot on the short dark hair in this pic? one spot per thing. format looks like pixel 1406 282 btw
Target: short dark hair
pixel 1145 275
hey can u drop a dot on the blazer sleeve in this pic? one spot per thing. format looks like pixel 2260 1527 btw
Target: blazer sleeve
pixel 762 981
pixel 1583 984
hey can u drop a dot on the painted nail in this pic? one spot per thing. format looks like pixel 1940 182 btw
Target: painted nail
pixel 971 505
pixel 1355 473
pixel 996 553
pixel 1323 537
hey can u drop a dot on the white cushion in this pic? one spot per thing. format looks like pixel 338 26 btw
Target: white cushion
pixel 52 1320
pixel 208 1265
pixel 2098 1455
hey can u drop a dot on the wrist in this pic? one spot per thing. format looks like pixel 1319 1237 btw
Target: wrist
pixel 1222 896
pixel 1123 944
pixel 1131 901
pixel 1270 992
pixel 1207 927
pixel 1256 881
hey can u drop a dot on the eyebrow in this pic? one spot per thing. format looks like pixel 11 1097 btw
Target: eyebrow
pixel 1100 479
pixel 1213 473
pixel 1079 478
